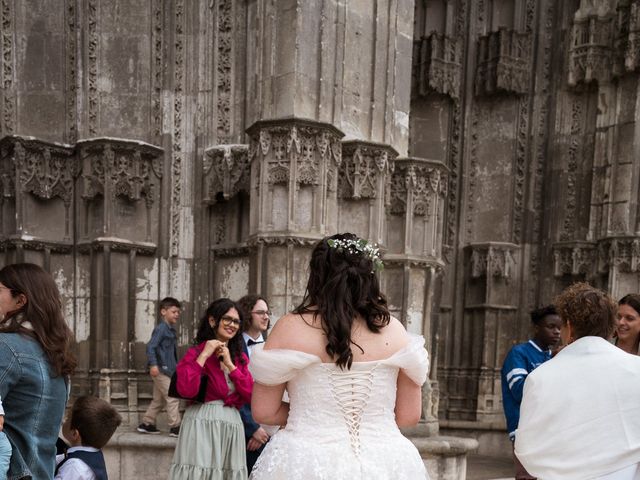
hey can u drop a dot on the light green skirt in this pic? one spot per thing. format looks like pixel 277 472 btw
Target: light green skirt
pixel 211 444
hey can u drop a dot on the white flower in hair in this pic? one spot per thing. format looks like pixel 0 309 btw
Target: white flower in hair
pixel 359 246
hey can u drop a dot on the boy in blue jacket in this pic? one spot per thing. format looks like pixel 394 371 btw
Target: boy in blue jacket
pixel 163 358
pixel 521 360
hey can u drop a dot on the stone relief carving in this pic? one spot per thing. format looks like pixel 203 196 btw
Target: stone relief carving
pixel 92 56
pixel 364 170
pixel 178 107
pixel 620 252
pixel 71 75
pixel 125 169
pixel 8 100
pixel 504 63
pixel 493 260
pixel 224 69
pixel 439 65
pixel 574 259
pixel 569 225
pixel 226 169
pixel 590 50
pixel 157 68
pixel 419 180
pixel 313 150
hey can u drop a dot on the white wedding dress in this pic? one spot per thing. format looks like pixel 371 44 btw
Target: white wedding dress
pixel 341 424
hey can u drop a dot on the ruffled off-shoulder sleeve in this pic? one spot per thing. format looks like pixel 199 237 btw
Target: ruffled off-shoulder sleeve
pixel 274 367
pixel 412 359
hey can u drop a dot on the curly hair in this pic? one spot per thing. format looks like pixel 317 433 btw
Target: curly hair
pixel 216 310
pixel 539 313
pixel 341 286
pixel 590 311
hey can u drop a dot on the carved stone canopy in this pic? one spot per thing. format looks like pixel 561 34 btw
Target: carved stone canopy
pixel 366 167
pixel 574 258
pixel 226 170
pixel 504 63
pixel 420 179
pixel 123 168
pixel 306 149
pixel 43 169
pixel 438 65
pixel 493 259
pixel 622 253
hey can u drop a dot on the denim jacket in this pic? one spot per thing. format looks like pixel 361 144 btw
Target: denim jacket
pixel 161 349
pixel 34 400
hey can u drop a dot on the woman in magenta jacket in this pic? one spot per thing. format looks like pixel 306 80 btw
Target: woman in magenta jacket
pixel 211 441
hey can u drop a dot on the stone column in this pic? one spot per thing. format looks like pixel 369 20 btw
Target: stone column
pixel 118 208
pixel 415 217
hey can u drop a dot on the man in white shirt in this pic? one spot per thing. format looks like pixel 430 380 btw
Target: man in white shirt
pixel 580 418
pixel 256 319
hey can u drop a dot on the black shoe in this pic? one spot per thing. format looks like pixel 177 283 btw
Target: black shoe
pixel 145 428
pixel 174 431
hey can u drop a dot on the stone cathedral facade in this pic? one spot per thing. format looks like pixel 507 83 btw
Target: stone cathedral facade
pixel 199 148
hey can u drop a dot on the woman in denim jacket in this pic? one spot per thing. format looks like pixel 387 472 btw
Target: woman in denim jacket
pixel 35 364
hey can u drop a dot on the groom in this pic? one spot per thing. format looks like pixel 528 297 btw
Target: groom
pixel 256 321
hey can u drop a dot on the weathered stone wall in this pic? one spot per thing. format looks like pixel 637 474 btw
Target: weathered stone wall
pixel 200 148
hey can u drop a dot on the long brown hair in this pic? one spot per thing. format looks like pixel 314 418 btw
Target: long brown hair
pixel 43 310
pixel 342 284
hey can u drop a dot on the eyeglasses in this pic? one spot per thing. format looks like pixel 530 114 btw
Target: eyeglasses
pixel 227 320
pixel 262 313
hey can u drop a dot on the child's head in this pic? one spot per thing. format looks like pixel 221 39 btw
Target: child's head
pixel 91 422
pixel 170 310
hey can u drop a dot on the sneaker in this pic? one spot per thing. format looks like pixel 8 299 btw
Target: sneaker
pixel 146 428
pixel 174 431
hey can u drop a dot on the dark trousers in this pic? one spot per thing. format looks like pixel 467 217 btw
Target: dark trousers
pixel 252 457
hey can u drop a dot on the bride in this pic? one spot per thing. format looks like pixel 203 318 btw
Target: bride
pixel 352 373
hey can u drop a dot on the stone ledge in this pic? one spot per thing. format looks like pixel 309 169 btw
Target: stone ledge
pixel 444 446
pixel 133 439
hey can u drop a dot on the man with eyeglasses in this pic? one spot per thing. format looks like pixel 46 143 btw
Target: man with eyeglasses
pixel 256 321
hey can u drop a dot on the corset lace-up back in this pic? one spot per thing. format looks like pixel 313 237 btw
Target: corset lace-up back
pixel 341 423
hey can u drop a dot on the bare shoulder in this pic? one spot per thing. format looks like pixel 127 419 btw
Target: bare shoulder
pixel 293 331
pixel 396 334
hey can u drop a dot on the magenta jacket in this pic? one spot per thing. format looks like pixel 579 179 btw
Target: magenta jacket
pixel 189 373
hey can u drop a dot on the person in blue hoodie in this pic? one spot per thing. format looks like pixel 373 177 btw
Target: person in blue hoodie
pixel 88 428
pixel 521 360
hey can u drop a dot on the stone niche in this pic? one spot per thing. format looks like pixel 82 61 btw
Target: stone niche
pixel 438 65
pixel 504 63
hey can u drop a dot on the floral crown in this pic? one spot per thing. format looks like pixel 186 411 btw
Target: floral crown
pixel 358 246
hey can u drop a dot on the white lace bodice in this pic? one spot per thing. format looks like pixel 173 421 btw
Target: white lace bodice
pixel 341 421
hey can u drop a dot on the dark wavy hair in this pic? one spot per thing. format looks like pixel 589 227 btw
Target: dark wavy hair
pixel 216 310
pixel 341 286
pixel 43 310
pixel 245 306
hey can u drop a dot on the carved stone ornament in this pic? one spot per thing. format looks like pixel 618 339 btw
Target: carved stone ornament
pixel 308 150
pixel 574 258
pixel 226 170
pixel 365 169
pixel 438 65
pixel 417 179
pixel 627 42
pixel 45 170
pixel 130 170
pixel 620 252
pixel 504 63
pixel 493 259
pixel 591 47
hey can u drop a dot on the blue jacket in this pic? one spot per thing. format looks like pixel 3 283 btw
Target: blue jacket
pixel 161 349
pixel 521 360
pixel 34 400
